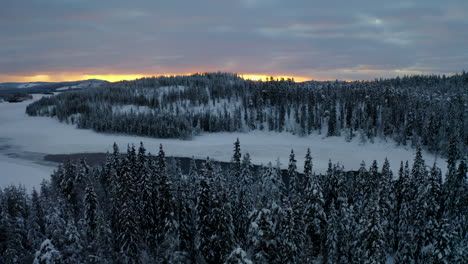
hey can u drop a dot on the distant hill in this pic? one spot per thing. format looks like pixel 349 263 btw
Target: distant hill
pixel 44 87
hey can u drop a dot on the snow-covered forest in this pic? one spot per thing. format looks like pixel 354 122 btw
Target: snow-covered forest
pixel 425 111
pixel 137 208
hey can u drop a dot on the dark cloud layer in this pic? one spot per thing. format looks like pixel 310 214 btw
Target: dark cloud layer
pixel 320 39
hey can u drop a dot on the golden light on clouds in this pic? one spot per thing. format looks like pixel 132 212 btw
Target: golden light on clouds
pixel 63 77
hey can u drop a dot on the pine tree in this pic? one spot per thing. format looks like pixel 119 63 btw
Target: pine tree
pixel 149 204
pixel 419 172
pixel 431 231
pixel 332 130
pixel 128 235
pixel 115 159
pixel 314 217
pixel 419 205
pixel 332 255
pixel 193 180
pixel 16 211
pixel 451 162
pixel 72 251
pixel 406 232
pixel 141 173
pixel 244 200
pixel 330 187
pixel 441 250
pixel 47 254
pixel 36 221
pixel 387 203
pixel 166 202
pixel 292 175
pixel 126 226
pixel 91 208
pixel 236 159
pixel 186 250
pixel 372 236
pixel 272 185
pixel 204 206
pixel 262 236
pixel 67 183
pixel 223 238
pixel 346 232
pixel 307 167
pixel 83 173
pixel 105 177
pixel 372 186
pixel 238 256
pixel 295 204
pixel 214 220
pixel 288 244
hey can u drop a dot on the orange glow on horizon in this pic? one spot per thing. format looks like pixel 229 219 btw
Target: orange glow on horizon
pixel 114 77
pixel 64 77
pixel 260 77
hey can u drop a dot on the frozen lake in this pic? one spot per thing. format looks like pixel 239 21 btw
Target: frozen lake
pixel 24 140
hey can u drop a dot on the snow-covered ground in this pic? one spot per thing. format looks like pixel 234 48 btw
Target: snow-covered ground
pixel 27 85
pixel 20 171
pixel 81 85
pixel 24 134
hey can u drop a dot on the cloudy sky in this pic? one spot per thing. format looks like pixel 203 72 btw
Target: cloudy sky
pixel 70 39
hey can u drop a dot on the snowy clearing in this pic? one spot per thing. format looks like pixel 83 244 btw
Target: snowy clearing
pixel 25 172
pixel 48 136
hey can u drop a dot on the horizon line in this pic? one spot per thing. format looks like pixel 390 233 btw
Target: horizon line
pixel 131 77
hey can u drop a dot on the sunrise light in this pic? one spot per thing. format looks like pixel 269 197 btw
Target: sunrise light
pixel 64 77
pixel 260 77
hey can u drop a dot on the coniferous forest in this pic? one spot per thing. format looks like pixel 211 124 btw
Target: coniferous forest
pixel 135 208
pixel 425 111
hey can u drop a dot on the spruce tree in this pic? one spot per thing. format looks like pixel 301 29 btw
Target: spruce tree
pixel 262 237
pixel 204 207
pixel 314 217
pixel 244 200
pixel 272 185
pixel 236 161
pixel 331 244
pixel 47 254
pixel 292 175
pixel 387 203
pixel 186 232
pixel 166 202
pixel 307 168
pixel 126 226
pixel 238 256
pixel 128 235
pixel 73 249
pixel 91 210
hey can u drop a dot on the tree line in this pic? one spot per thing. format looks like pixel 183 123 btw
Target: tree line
pixel 135 208
pixel 422 111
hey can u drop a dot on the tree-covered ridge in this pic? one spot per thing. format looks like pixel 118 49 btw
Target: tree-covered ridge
pixel 136 208
pixel 417 110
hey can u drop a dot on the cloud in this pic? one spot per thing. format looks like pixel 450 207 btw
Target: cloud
pixel 321 39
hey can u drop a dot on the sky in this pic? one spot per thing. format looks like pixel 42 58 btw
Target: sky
pixel 60 40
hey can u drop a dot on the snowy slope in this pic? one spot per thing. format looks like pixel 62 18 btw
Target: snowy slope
pixel 27 85
pixel 81 85
pixel 46 135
